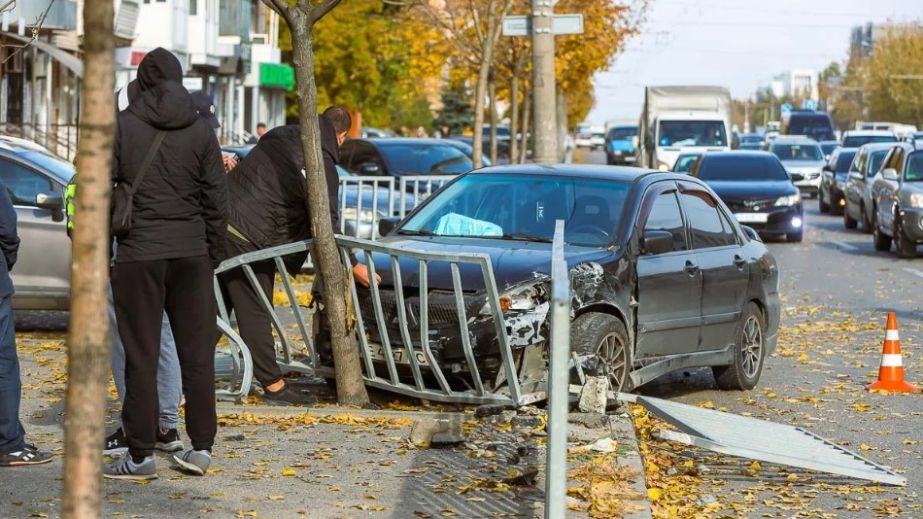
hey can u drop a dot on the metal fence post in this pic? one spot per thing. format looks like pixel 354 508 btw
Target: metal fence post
pixel 558 381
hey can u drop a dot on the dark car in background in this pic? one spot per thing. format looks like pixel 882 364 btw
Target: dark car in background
pixel 827 147
pixel 35 180
pixel 662 276
pixel 756 188
pixel 752 141
pixel 404 157
pixel 622 144
pixel 858 193
pixel 831 198
pixel 816 125
pixel 897 196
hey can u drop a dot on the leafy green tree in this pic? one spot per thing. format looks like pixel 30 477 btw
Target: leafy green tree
pixel 457 112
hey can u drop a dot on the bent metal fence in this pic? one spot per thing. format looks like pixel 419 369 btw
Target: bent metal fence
pixel 396 327
pixel 364 200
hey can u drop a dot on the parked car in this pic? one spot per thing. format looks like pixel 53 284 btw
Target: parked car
pixel 856 138
pixel 803 160
pixel 827 147
pixel 752 141
pixel 375 133
pixel 35 180
pixel 662 276
pixel 833 181
pixel 361 207
pixel 756 188
pixel 465 144
pixel 404 157
pixel 622 144
pixel 686 162
pixel 897 198
pixel 858 193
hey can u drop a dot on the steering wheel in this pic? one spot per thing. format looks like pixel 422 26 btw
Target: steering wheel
pixel 590 229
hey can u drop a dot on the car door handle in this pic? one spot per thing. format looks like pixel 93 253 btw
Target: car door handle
pixel 691 268
pixel 740 262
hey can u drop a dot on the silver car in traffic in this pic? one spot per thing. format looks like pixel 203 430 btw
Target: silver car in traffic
pixel 803 159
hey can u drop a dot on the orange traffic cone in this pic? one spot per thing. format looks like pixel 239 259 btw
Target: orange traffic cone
pixel 891 372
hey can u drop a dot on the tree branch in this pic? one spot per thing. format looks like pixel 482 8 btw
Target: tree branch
pixel 477 19
pixel 321 10
pixel 281 8
pixel 36 28
pixel 9 5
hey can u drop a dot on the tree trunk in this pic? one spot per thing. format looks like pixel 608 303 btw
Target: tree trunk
pixel 526 113
pixel 480 92
pixel 514 118
pixel 350 386
pixel 561 107
pixel 88 338
pixel 492 95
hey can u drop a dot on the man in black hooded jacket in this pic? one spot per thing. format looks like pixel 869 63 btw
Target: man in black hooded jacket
pixel 167 260
pixel 268 207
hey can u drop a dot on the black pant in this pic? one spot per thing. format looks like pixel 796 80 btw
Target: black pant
pixel 253 321
pixel 142 291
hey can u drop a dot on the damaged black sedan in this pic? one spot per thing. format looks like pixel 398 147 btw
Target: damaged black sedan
pixel 662 277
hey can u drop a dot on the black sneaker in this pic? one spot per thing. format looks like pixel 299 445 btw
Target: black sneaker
pixel 288 396
pixel 115 443
pixel 28 455
pixel 168 441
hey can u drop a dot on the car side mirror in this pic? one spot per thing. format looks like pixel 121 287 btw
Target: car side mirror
pixel 751 233
pixel 369 168
pixel 889 174
pixel 855 175
pixel 53 202
pixel 657 242
pixel 386 225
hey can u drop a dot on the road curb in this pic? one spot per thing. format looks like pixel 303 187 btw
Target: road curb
pixel 334 410
pixel 623 432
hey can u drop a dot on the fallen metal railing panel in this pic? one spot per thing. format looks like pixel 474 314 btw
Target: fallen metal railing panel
pixel 421 186
pixel 761 440
pixel 359 217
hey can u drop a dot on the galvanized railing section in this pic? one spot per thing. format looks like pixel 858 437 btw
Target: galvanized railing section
pixel 364 200
pixel 558 380
pixel 239 372
pixel 427 381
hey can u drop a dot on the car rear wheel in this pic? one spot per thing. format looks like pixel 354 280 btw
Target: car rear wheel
pixel 904 247
pixel 749 351
pixel 824 207
pixel 881 240
pixel 848 221
pixel 603 340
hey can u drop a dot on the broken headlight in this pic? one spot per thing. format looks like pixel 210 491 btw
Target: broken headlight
pixel 523 297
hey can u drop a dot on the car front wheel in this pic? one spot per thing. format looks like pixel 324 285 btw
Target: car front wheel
pixel 866 220
pixel 881 240
pixel 602 341
pixel 749 351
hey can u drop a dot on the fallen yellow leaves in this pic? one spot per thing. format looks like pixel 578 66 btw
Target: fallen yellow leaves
pixel 288 421
pixel 605 485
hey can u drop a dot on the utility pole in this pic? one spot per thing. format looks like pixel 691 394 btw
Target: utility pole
pixel 544 135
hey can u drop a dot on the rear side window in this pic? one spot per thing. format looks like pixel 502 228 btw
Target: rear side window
pixel 665 216
pixel 23 184
pixel 843 161
pixel 914 172
pixel 706 225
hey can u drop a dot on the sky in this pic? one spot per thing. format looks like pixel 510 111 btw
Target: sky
pixel 740 44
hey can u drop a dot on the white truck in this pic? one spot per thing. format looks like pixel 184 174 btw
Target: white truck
pixel 683 119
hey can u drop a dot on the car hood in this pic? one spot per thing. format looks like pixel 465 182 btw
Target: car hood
pixel 739 191
pixel 513 262
pixel 799 165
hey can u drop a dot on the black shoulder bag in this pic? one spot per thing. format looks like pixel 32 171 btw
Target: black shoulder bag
pixel 124 192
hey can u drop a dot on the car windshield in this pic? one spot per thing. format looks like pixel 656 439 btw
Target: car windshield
pixel 622 134
pixel 787 152
pixel 62 169
pixel 416 159
pixel 816 126
pixel 914 171
pixel 685 163
pixel 523 207
pixel 843 161
pixel 757 168
pixel 858 140
pixel 692 133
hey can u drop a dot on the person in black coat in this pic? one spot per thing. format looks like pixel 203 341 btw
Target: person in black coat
pixel 166 261
pixel 269 207
pixel 14 450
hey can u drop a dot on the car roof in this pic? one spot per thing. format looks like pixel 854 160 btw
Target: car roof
pixel 876 146
pixel 740 154
pixel 394 141
pixel 617 173
pixel 16 145
pixel 868 133
pixel 794 139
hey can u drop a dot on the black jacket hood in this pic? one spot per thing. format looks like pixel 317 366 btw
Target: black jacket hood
pixel 168 106
pixel 158 65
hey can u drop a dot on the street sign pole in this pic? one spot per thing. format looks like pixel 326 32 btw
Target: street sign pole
pixel 544 137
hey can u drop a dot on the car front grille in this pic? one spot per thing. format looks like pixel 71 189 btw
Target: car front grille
pixel 443 314
pixel 750 206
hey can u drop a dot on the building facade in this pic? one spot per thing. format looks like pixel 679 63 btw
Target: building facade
pixel 229 48
pixel 797 84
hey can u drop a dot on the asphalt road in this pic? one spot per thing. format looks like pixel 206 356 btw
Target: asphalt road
pixel 836 290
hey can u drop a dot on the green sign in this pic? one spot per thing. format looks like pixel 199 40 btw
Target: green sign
pixel 280 76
